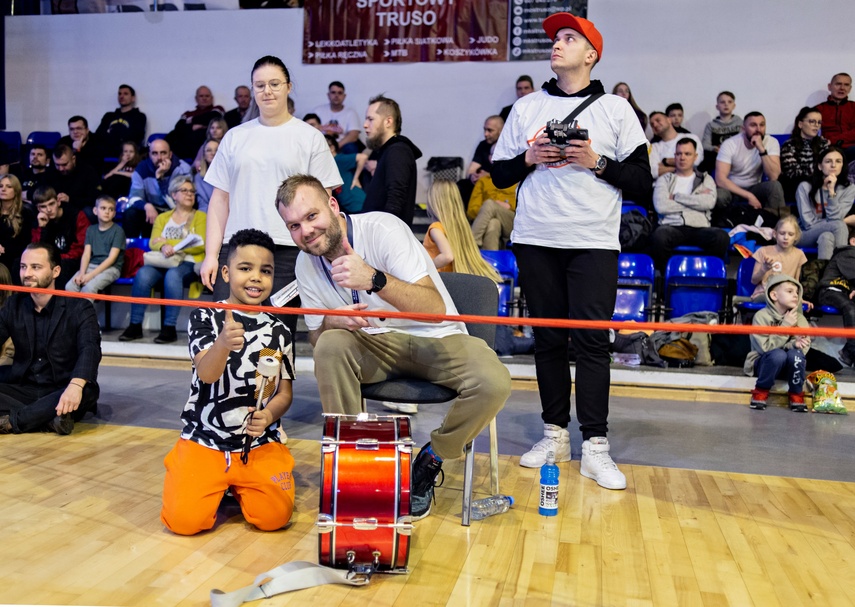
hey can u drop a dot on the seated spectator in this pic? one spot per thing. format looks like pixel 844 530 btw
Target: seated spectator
pixel 76 185
pixel 313 120
pixel 350 195
pixel 103 251
pixel 16 223
pixel 53 380
pixel 126 123
pixel 62 226
pixel 492 211
pixel 190 130
pixel 524 86
pixel 242 98
pixel 684 200
pixel 481 164
pixel 838 115
pixel 742 162
pixel 339 121
pixel 824 205
pixel 783 257
pixel 675 115
pixel 203 188
pixel 117 181
pixel 36 172
pixel 216 131
pixel 662 152
pixel 724 126
pixel 621 89
pixel 149 194
pixel 800 153
pixel 7 350
pixel 169 230
pixel 837 289
pixel 88 147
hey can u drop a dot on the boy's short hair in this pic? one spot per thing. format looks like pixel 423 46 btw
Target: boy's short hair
pixel 728 93
pixel 43 193
pixel 672 107
pixel 105 198
pixel 248 237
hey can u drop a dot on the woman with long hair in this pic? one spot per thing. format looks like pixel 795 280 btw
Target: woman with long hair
pixel 203 188
pixel 800 153
pixel 217 129
pixel 449 239
pixel 16 223
pixel 621 89
pixel 253 159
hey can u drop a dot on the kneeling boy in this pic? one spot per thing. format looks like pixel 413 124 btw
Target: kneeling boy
pixel 226 347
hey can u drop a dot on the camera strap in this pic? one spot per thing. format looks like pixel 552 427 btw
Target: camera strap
pixel 581 107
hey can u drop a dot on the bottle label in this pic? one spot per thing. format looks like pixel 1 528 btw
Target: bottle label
pixel 549 497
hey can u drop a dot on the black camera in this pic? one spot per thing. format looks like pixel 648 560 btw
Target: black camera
pixel 560 133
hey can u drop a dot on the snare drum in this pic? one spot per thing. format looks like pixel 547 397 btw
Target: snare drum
pixel 364 515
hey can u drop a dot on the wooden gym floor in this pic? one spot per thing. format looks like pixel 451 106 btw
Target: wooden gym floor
pixel 80 527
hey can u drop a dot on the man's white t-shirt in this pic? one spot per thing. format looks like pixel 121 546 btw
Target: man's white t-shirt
pixel 683 185
pixel 387 244
pixel 746 166
pixel 565 205
pixel 338 123
pixel 252 162
pixel 667 149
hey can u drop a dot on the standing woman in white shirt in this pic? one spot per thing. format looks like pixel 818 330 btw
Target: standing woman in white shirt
pixel 253 159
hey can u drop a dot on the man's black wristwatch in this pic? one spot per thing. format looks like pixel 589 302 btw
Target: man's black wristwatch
pixel 601 163
pixel 378 281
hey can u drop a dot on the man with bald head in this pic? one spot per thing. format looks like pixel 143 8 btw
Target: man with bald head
pixel 191 129
pixel 149 195
pixel 242 98
pixel 481 164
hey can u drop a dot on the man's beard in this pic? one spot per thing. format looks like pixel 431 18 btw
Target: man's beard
pixel 376 141
pixel 41 283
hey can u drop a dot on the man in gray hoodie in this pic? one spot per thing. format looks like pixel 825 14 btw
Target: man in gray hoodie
pixel 684 200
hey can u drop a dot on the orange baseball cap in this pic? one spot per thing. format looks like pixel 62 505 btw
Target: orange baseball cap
pixel 557 21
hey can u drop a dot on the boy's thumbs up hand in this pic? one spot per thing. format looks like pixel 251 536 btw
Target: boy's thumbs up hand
pixel 232 336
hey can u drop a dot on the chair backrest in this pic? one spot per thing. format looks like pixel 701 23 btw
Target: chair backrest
pixel 694 283
pixel 504 261
pixel 744 286
pixel 49 139
pixel 476 295
pixel 636 265
pixel 626 208
pixel 12 139
pixel 695 266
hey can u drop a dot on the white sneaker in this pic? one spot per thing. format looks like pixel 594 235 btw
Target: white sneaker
pixel 555 439
pixel 409 408
pixel 598 465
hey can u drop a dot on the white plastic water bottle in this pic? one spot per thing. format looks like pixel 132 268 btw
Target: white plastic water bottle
pixel 496 504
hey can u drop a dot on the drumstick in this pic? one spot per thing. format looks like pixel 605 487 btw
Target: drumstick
pixel 268 369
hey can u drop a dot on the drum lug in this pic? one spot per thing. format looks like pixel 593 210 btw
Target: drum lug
pixel 367 444
pixel 325 523
pixel 404 525
pixel 364 524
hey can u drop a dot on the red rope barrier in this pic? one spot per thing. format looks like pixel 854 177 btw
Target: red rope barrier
pixel 432 318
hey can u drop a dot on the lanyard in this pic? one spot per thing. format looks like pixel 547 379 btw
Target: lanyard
pixel 353 294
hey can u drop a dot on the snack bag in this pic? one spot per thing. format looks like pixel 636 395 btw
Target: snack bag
pixel 826 399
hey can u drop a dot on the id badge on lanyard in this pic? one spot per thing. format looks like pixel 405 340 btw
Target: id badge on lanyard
pixel 353 294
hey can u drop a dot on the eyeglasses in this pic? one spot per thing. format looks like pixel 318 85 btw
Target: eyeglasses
pixel 275 86
pixel 814 122
pixel 186 191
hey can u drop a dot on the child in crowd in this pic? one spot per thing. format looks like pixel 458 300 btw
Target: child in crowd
pixel 725 125
pixel 103 251
pixel 449 240
pixel 220 413
pixel 205 190
pixel 837 288
pixel 117 182
pixel 774 356
pixel 783 257
pixel 58 224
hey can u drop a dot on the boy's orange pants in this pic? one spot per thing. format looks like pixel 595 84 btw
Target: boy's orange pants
pixel 197 477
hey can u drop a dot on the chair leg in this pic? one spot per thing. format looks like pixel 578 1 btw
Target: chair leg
pixel 494 457
pixel 468 470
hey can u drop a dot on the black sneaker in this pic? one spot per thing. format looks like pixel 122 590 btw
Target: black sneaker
pixel 134 331
pixel 425 470
pixel 167 335
pixel 5 425
pixel 62 424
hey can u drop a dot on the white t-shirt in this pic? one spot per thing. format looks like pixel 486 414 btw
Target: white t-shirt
pixel 252 162
pixel 746 166
pixel 338 123
pixel 564 205
pixel 387 244
pixel 666 149
pixel 683 185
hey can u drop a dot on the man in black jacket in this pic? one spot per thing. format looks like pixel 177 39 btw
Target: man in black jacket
pixel 53 379
pixel 566 233
pixel 126 123
pixel 393 186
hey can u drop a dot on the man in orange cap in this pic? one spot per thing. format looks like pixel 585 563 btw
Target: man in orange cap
pixel 571 185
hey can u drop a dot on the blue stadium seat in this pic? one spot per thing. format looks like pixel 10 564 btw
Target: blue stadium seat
pixel 12 139
pixel 49 139
pixel 694 283
pixel 782 138
pixel 506 265
pixel 635 287
pixel 130 243
pixel 744 286
pixel 627 207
